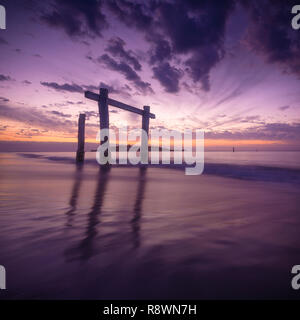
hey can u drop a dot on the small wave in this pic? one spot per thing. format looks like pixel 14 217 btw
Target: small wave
pixel 235 171
pixel 253 172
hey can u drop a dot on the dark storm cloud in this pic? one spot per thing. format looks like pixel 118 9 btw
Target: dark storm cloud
pixel 168 76
pixel 122 67
pixel 116 48
pixel 194 28
pixel 160 50
pixel 127 71
pixel 199 65
pixel 5 78
pixel 77 17
pixel 131 13
pixel 194 24
pixel 63 87
pixel 270 33
pixel 197 29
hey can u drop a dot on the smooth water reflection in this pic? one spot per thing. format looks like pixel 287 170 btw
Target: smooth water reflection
pixel 70 231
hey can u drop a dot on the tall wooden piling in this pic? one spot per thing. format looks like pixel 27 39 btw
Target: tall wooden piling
pixel 144 142
pixel 81 129
pixel 104 117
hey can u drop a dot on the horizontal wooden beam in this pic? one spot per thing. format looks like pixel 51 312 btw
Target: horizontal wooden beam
pixel 92 95
pixel 126 107
pixel 117 104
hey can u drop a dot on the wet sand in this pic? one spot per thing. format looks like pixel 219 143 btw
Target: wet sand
pixel 78 232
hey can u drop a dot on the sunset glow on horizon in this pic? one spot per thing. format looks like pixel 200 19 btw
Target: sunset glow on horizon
pixel 232 85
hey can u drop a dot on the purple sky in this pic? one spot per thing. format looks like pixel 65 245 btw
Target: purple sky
pixel 230 69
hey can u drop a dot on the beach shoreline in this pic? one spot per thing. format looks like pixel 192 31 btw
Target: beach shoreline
pixel 76 232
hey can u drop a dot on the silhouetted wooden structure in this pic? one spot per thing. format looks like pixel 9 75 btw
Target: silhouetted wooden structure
pixel 80 148
pixel 103 102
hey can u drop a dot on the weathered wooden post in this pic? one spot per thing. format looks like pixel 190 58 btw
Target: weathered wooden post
pixel 144 142
pixel 104 118
pixel 80 148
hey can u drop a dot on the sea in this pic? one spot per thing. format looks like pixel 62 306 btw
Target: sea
pixel 70 231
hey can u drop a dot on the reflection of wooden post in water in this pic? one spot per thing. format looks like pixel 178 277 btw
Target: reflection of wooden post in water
pixel 85 248
pixel 135 222
pixel 80 149
pixel 75 193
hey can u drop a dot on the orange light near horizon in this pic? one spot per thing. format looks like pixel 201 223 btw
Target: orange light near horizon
pixel 13 133
pixel 234 143
pixel 207 142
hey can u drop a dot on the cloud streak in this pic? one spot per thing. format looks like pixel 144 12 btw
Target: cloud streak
pixel 270 131
pixel 35 117
pixel 126 70
pixel 116 49
pixel 270 33
pixel 5 78
pixel 63 87
pixel 168 76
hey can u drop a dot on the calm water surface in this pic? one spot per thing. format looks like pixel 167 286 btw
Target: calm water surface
pixel 78 232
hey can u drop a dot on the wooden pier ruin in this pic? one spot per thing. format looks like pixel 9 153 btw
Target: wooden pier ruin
pixel 103 102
